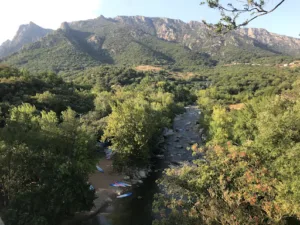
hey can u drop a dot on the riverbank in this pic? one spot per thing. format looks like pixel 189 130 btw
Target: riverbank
pixel 137 209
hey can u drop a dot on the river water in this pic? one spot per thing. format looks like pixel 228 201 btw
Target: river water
pixel 137 209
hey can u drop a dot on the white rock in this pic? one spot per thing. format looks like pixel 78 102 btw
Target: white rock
pixel 126 178
pixel 142 174
pixel 160 156
pixel 134 181
pixel 168 132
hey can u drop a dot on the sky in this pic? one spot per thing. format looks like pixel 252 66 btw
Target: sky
pixel 51 13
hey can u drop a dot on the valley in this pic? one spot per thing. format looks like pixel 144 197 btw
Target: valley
pixel 142 40
pixel 204 126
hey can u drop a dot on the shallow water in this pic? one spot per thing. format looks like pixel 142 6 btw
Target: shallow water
pixel 137 209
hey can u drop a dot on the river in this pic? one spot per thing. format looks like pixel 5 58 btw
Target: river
pixel 137 209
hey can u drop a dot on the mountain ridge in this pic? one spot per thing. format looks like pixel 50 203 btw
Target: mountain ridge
pixel 148 40
pixel 26 34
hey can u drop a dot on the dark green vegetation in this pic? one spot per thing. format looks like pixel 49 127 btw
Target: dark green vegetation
pixel 49 130
pixel 45 91
pixel 247 170
pixel 235 84
pixel 81 45
pixel 26 34
pixel 130 41
pixel 50 125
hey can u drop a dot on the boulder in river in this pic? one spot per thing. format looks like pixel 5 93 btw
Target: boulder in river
pixel 168 132
pixel 142 174
pixel 134 181
pixel 160 156
pixel 192 142
pixel 126 178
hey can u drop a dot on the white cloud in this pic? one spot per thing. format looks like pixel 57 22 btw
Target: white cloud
pixel 45 13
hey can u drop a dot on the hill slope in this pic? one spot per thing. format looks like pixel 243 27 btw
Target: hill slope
pixel 142 40
pixel 26 34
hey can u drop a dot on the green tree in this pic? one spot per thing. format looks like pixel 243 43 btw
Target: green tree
pixel 44 166
pixel 131 126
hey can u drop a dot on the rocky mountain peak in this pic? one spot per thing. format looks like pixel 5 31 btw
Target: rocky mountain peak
pixel 153 37
pixel 26 34
pixel 65 26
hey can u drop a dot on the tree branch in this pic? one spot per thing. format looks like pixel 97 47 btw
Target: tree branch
pixel 265 13
pixel 229 22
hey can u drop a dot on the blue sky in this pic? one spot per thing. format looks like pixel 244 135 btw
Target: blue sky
pixel 283 21
pixel 51 13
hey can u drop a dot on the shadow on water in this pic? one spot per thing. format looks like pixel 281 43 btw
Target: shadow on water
pixel 136 209
pixel 292 221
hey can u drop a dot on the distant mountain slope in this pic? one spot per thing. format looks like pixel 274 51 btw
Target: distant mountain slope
pixel 280 43
pixel 26 34
pixel 142 40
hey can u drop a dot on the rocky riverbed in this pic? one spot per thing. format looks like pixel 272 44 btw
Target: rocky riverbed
pixel 185 133
pixel 137 209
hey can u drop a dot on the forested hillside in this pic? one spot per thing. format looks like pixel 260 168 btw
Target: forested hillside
pixel 53 126
pixel 245 172
pixel 121 83
pixel 49 130
pixel 152 41
pixel 26 34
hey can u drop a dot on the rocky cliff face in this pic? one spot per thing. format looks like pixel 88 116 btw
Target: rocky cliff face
pixel 196 36
pixel 193 35
pixel 280 43
pixel 26 34
pixel 134 40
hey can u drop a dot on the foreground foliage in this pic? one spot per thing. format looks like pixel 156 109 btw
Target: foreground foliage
pixel 44 166
pixel 49 128
pixel 47 149
pixel 246 173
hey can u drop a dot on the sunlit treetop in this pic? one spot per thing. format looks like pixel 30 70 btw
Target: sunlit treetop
pixel 239 13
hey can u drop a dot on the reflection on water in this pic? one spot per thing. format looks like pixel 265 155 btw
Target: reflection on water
pixel 136 209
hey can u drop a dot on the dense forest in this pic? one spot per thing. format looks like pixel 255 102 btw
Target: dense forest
pixel 245 171
pixel 49 130
pixel 196 123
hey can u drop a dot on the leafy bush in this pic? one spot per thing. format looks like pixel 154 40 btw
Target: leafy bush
pixel 44 166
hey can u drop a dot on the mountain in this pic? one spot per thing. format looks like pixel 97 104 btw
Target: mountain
pixel 280 43
pixel 135 40
pixel 26 34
